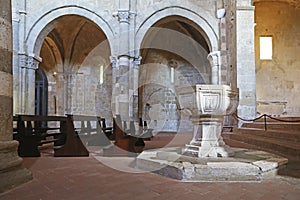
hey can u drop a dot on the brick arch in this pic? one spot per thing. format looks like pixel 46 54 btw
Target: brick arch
pixel 199 16
pixel 43 26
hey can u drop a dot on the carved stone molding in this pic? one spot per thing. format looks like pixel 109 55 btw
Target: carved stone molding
pixel 32 63
pixel 28 62
pixel 114 61
pixel 137 62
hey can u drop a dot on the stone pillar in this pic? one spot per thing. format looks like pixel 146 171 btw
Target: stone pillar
pixel 226 15
pixel 215 62
pixel 246 79
pixel 135 84
pixel 28 65
pixel 68 92
pixel 24 64
pixel 11 171
pixel 123 92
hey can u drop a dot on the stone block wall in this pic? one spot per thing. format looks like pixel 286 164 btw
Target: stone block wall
pixel 246 81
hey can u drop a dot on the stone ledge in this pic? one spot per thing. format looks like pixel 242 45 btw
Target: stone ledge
pixel 246 165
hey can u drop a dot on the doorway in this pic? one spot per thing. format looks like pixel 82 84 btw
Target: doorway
pixel 41 92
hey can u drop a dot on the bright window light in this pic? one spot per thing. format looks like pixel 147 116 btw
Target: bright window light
pixel 172 74
pixel 101 74
pixel 266 48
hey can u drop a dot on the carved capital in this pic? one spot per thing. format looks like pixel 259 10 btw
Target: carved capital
pixel 114 61
pixel 32 63
pixel 214 58
pixel 28 62
pixel 137 61
pixel 124 15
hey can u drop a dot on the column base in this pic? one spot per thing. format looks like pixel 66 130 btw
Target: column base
pixel 210 151
pixel 12 173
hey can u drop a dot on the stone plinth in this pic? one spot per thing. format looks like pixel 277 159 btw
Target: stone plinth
pixel 245 165
pixel 11 171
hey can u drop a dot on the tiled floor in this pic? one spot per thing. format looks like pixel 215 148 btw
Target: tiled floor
pixel 88 178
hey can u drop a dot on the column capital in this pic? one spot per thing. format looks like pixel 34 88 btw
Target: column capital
pixel 29 61
pixel 114 61
pixel 137 61
pixel 32 63
pixel 214 58
pixel 124 15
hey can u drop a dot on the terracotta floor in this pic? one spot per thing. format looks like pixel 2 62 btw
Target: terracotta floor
pixel 88 178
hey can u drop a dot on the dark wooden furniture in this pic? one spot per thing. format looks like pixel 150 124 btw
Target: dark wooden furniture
pixel 92 130
pixel 33 131
pixel 127 139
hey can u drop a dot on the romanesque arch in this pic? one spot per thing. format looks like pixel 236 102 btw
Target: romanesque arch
pixel 38 32
pixel 202 19
pixel 71 66
pixel 174 53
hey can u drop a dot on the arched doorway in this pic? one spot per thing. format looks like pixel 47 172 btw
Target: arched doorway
pixel 174 53
pixel 74 54
pixel 41 92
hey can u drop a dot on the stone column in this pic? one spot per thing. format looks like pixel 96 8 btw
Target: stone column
pixel 215 62
pixel 123 92
pixel 11 171
pixel 246 78
pixel 28 65
pixel 134 85
pixel 68 92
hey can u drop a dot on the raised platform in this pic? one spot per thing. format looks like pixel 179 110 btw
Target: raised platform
pixel 246 165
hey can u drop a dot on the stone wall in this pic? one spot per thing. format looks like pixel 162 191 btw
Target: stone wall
pixel 34 21
pixel 278 83
pixel 158 84
pixel 11 171
pixel 246 81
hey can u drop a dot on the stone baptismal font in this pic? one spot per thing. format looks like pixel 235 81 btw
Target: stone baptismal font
pixel 207 105
pixel 206 157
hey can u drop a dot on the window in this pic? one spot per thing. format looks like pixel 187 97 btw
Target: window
pixel 266 47
pixel 172 74
pixel 101 75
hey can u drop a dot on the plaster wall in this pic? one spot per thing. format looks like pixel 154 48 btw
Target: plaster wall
pixel 278 83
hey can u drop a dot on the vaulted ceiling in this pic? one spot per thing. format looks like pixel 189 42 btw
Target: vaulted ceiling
pixel 295 3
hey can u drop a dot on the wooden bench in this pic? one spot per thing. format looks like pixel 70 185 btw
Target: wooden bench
pixel 127 139
pixel 33 131
pixel 92 130
pixel 108 131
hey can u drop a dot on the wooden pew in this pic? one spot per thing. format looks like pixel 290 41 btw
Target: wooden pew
pixel 144 131
pixel 126 139
pixel 91 131
pixel 32 131
pixel 108 131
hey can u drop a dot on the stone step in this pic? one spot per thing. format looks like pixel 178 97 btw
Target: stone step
pixel 273 126
pixel 288 135
pixel 275 145
pixel 277 120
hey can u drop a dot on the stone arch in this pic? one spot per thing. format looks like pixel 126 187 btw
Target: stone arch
pixel 42 26
pixel 199 16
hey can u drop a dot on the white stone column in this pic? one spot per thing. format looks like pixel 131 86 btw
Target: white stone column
pixel 214 59
pixel 11 171
pixel 123 92
pixel 246 77
pixel 28 64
